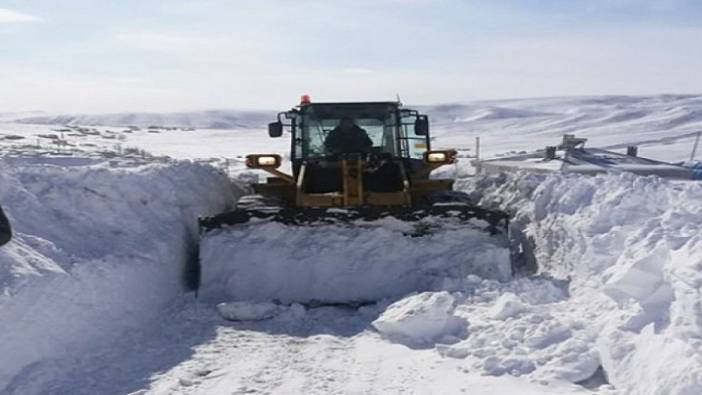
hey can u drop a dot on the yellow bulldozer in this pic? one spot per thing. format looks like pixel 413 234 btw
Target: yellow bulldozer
pixel 354 216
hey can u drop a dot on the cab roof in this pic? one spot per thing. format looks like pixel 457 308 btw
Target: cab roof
pixel 350 109
pixel 360 103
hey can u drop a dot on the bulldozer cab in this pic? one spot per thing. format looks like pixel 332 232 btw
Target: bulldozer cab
pixel 396 132
pixel 352 155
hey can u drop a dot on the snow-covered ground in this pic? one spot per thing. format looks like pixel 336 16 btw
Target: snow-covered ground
pixel 94 300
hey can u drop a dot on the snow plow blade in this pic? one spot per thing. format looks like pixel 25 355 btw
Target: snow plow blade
pixel 348 256
pixel 494 221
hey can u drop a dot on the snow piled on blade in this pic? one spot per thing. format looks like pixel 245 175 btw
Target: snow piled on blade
pixel 627 252
pixel 97 251
pixel 359 262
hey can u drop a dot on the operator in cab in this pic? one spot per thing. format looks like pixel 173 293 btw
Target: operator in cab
pixel 347 138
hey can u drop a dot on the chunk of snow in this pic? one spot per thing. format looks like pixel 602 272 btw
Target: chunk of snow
pixel 507 305
pixel 421 319
pixel 247 311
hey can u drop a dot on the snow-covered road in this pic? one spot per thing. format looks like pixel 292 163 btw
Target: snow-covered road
pixel 327 350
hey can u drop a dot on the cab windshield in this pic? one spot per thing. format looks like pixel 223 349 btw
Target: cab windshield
pixel 316 122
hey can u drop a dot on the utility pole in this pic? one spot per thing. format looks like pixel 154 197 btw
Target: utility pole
pixel 476 161
pixel 694 147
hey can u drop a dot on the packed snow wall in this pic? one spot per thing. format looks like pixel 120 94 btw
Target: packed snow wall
pixel 630 250
pixel 97 251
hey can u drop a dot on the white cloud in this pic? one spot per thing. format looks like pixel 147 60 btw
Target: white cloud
pixel 10 16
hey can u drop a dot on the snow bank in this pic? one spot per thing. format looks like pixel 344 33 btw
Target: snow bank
pixel 615 303
pixel 97 251
pixel 421 320
pixel 629 251
pixel 267 261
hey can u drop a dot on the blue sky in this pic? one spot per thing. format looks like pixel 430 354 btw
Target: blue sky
pixel 170 55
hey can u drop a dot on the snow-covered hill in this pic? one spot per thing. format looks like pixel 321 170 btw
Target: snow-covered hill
pixel 11 116
pixel 213 119
pixel 663 126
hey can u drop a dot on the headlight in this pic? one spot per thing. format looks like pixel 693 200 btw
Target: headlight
pixel 266 161
pixel 262 161
pixel 437 157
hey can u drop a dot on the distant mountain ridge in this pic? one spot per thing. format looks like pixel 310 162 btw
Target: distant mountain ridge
pixel 561 114
pixel 211 119
pixel 5 116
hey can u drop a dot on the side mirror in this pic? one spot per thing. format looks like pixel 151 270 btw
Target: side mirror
pixel 275 129
pixel 421 125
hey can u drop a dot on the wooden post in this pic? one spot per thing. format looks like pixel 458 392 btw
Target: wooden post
pixel 550 152
pixel 694 147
